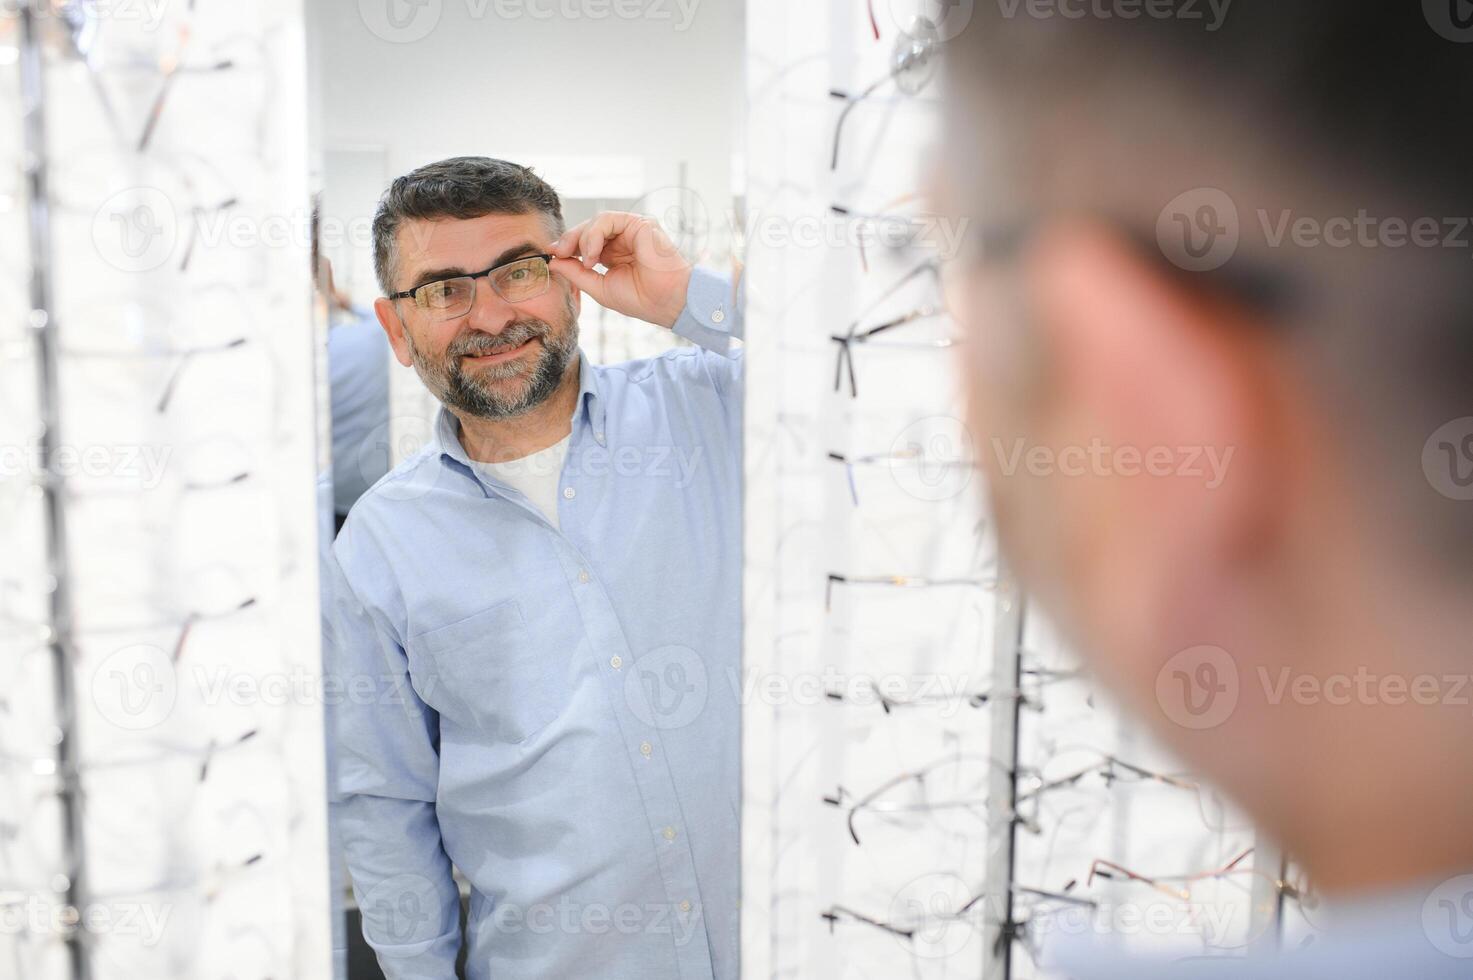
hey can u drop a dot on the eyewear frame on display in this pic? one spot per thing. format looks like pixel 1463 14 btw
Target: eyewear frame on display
pixel 871 802
pixel 905 582
pixel 911 62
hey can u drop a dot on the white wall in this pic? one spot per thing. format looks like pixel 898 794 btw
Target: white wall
pixel 607 107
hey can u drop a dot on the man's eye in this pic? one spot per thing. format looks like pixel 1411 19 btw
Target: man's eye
pixel 441 294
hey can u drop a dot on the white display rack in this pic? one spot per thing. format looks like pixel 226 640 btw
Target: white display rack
pixel 853 865
pixel 163 805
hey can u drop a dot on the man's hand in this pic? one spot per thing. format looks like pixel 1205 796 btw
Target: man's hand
pixel 647 276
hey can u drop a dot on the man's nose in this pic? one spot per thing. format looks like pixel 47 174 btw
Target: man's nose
pixel 489 312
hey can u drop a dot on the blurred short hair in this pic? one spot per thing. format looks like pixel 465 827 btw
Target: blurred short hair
pixel 1318 108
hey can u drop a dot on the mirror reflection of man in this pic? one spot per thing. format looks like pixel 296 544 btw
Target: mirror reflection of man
pixel 542 607
pixel 1299 632
pixel 358 383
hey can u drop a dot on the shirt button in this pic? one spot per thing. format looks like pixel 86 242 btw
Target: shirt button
pixel 718 317
pixel 583 576
pixel 616 661
pixel 569 493
pixel 685 905
pixel 669 833
pixel 645 749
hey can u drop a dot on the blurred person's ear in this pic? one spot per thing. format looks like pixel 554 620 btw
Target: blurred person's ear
pixel 388 318
pixel 1153 492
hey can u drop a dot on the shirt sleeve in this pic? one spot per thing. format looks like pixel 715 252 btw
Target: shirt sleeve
pixel 713 314
pixel 383 792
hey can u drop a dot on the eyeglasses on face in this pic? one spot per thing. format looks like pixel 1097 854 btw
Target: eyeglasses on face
pixel 516 282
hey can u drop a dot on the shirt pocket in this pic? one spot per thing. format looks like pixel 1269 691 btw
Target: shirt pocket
pixel 493 672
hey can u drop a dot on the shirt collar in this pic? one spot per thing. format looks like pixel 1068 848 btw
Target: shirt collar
pixel 590 396
pixel 590 408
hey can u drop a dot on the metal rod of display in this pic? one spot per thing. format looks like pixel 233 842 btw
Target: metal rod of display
pixel 73 883
pixel 998 927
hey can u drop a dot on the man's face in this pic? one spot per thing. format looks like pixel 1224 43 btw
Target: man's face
pixel 1119 417
pixel 499 360
pixel 1002 360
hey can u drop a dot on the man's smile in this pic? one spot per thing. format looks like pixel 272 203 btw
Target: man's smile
pixel 498 357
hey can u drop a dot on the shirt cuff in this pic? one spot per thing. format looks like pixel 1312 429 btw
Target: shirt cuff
pixel 711 317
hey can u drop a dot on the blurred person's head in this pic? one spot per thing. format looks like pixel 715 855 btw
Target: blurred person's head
pixel 322 277
pixel 1220 354
pixel 499 354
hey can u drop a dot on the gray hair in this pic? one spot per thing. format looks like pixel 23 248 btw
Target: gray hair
pixel 458 187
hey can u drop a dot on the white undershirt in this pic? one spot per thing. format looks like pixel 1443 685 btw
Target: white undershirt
pixel 536 476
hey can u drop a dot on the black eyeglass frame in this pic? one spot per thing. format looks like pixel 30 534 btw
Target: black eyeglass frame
pixel 546 257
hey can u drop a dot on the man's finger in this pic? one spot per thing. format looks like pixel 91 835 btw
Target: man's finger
pixel 585 279
pixel 566 245
pixel 604 228
pixel 591 245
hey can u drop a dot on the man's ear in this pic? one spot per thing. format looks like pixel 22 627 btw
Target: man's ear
pixel 1167 399
pixel 576 301
pixel 388 318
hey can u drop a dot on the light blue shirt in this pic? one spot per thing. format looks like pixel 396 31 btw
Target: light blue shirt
pixel 358 372
pixel 556 712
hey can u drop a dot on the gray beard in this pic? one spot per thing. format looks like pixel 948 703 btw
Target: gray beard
pixel 485 394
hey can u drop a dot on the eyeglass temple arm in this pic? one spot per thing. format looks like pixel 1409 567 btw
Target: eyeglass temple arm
pixel 832 916
pixel 1102 868
pixel 845 359
pixel 853 100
